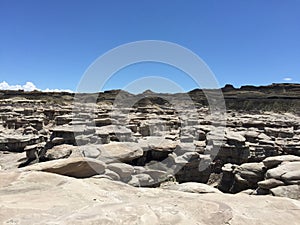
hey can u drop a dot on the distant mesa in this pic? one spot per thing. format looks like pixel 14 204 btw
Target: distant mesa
pixel 148 92
pixel 228 87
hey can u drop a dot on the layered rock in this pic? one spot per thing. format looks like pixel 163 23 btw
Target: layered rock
pixel 152 141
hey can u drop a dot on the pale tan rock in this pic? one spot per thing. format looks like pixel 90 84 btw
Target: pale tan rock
pixel 192 187
pixel 274 161
pixel 45 198
pixel 73 167
pixel 270 183
pixel 120 151
pixel 60 151
pixel 289 191
pixel 285 171
pixel 122 169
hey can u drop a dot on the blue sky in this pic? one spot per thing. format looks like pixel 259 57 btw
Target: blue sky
pixel 52 43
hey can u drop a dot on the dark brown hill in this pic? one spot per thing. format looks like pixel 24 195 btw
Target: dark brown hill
pixel 276 97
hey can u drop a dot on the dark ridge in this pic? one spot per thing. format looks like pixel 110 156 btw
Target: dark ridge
pixel 281 97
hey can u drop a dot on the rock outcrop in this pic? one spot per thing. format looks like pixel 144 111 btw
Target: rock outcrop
pixel 85 158
pixel 46 198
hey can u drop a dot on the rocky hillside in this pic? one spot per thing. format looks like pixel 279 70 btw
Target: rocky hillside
pixel 275 97
pixel 92 159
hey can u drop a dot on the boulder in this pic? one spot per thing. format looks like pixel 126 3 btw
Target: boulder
pixel 122 169
pixel 286 171
pixel 292 147
pixel 120 152
pixel 227 179
pixel 112 174
pixel 139 169
pixel 161 144
pixel 201 135
pixel 57 141
pixel 104 122
pixel 90 151
pixel 280 132
pixel 141 180
pixel 247 175
pixel 157 175
pixel 274 161
pixel 186 158
pixel 235 138
pixel 270 183
pixel 251 136
pixel 72 167
pixel 134 181
pixel 185 147
pixel 291 176
pixel 115 132
pixel 60 152
pixel 290 191
pixel 263 136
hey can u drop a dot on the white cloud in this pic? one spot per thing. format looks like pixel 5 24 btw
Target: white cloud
pixel 287 79
pixel 26 87
pixel 57 90
pixel 29 86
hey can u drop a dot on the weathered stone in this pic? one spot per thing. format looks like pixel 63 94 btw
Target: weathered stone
pixel 93 201
pixel 227 179
pixel 234 138
pixel 156 175
pixel 134 181
pixel 201 135
pixel 197 170
pixel 90 151
pixel 270 183
pixel 57 141
pixel 186 158
pixel 139 169
pixel 115 132
pixel 229 153
pixel 274 161
pixel 113 175
pixel 141 180
pixel 63 119
pixel 17 142
pixel 280 132
pixel 291 176
pixel 104 122
pixel 287 169
pixel 192 187
pixel 246 176
pixel 161 144
pixel 31 152
pixel 292 147
pixel 290 191
pixel 251 136
pixel 123 170
pixel 120 151
pixel 68 133
pixel 263 136
pixel 182 148
pixel 72 167
pixel 60 152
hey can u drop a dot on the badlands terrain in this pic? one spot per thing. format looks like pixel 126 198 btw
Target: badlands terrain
pixel 119 158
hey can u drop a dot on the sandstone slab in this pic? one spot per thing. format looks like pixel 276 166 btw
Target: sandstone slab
pixel 120 151
pixel 73 167
pixel 274 161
